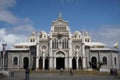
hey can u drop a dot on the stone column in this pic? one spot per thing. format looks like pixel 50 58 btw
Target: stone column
pixel 51 63
pixel 54 63
pixel 43 63
pixel 37 63
pixel 50 55
pixel 37 56
pixel 70 62
pixel 66 62
pixel 83 57
pixel 70 51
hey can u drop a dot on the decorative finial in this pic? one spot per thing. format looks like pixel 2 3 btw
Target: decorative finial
pixel 33 33
pixel 60 15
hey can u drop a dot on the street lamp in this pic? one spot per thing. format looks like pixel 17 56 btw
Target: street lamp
pixel 3 54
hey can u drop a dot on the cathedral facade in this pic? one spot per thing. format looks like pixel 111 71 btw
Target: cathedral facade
pixel 61 49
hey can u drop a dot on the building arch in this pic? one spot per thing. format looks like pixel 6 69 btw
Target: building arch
pixel 94 62
pixel 26 62
pixel 46 63
pixel 80 66
pixel 60 51
pixel 74 63
pixel 104 59
pixel 15 60
pixel 60 60
pixel 115 60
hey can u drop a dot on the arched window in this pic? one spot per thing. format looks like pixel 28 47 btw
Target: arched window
pixel 53 44
pixel 25 62
pixel 33 40
pixel 15 61
pixel 30 40
pixel 115 61
pixel 104 60
pixel 75 36
pixel 94 62
pixel 87 40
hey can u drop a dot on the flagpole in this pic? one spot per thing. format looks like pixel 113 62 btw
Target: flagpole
pixel 3 54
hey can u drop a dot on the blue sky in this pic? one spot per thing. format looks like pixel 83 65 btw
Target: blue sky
pixel 90 14
pixel 101 18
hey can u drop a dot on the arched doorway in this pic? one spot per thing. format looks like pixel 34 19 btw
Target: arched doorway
pixel 26 62
pixel 94 62
pixel 80 63
pixel 46 63
pixel 60 60
pixel 40 63
pixel 74 63
pixel 60 63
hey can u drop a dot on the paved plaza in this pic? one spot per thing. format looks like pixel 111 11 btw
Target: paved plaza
pixel 58 76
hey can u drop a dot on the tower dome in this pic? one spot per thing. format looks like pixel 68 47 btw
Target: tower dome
pixel 43 34
pixel 77 34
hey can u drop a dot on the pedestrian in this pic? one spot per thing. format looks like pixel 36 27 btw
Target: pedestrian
pixel 71 72
pixel 27 73
pixel 115 73
pixel 111 72
pixel 61 70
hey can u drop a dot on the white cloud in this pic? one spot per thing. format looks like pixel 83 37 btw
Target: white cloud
pixel 8 17
pixel 2 32
pixel 24 28
pixel 7 3
pixel 107 34
pixel 10 39
pixel 5 14
pixel 20 26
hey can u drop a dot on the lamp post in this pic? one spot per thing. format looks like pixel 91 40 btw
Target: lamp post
pixel 3 54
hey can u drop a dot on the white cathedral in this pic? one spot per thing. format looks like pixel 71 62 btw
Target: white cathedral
pixel 61 49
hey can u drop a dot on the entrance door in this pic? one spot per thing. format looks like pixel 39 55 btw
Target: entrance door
pixel 94 62
pixel 40 63
pixel 74 64
pixel 60 63
pixel 46 64
pixel 26 62
pixel 80 63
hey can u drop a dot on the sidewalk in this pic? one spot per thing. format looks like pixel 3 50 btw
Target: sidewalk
pixel 58 76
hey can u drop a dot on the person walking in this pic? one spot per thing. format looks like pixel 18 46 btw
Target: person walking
pixel 71 72
pixel 61 70
pixel 27 73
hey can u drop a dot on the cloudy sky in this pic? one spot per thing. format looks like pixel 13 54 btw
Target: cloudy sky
pixel 18 18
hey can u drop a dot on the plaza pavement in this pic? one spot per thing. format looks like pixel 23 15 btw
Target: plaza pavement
pixel 58 76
